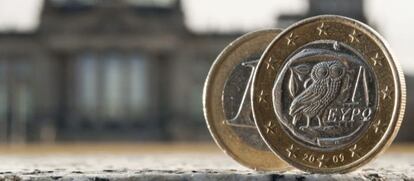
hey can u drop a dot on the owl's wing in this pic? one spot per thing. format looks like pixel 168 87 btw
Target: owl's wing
pixel 313 93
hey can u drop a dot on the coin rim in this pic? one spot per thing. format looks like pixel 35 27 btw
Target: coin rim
pixel 399 97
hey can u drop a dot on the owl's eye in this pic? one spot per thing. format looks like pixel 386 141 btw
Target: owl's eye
pixel 322 72
pixel 336 71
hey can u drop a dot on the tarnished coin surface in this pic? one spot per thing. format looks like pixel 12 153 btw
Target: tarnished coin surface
pixel 328 96
pixel 227 106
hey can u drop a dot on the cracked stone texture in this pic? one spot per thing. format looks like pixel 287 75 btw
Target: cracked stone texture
pixel 178 166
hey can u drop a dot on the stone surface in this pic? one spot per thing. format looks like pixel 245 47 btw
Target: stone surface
pixel 178 166
pixel 169 162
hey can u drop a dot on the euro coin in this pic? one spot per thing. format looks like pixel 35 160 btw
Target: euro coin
pixel 227 106
pixel 328 95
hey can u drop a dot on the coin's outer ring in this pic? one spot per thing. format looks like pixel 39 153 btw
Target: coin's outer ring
pixel 373 144
pixel 222 134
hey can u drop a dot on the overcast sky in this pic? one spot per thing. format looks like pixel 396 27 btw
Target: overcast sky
pixel 394 19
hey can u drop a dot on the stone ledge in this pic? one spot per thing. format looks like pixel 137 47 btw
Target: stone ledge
pixel 179 166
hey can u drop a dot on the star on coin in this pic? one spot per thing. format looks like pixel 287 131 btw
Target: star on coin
pixel 321 160
pixel 270 128
pixel 322 29
pixel 354 151
pixel 353 36
pixel 269 64
pixel 375 60
pixel 262 97
pixel 379 127
pixel 386 93
pixel 292 151
pixel 291 39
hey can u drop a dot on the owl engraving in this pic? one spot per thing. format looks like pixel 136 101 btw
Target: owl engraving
pixel 325 84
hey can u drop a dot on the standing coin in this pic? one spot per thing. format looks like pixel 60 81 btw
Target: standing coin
pixel 226 100
pixel 333 93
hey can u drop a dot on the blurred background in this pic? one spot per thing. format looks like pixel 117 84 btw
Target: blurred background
pixel 133 70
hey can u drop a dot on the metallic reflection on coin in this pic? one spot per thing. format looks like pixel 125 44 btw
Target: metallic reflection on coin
pixel 325 95
pixel 335 95
pixel 227 106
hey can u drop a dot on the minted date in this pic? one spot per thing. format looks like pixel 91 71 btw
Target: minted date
pixel 323 159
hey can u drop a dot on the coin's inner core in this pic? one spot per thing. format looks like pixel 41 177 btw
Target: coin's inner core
pixel 325 95
pixel 237 106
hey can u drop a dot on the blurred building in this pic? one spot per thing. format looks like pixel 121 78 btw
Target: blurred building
pixel 105 70
pixel 111 71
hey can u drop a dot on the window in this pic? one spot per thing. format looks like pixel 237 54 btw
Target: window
pixel 138 84
pixel 198 71
pixel 22 91
pixel 87 79
pixel 111 86
pixel 16 100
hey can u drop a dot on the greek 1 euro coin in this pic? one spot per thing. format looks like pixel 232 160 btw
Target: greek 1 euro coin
pixel 328 96
pixel 226 100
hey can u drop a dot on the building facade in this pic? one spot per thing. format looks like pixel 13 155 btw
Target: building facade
pixel 107 71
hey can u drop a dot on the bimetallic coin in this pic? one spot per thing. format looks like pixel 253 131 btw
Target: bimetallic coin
pixel 333 93
pixel 227 106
